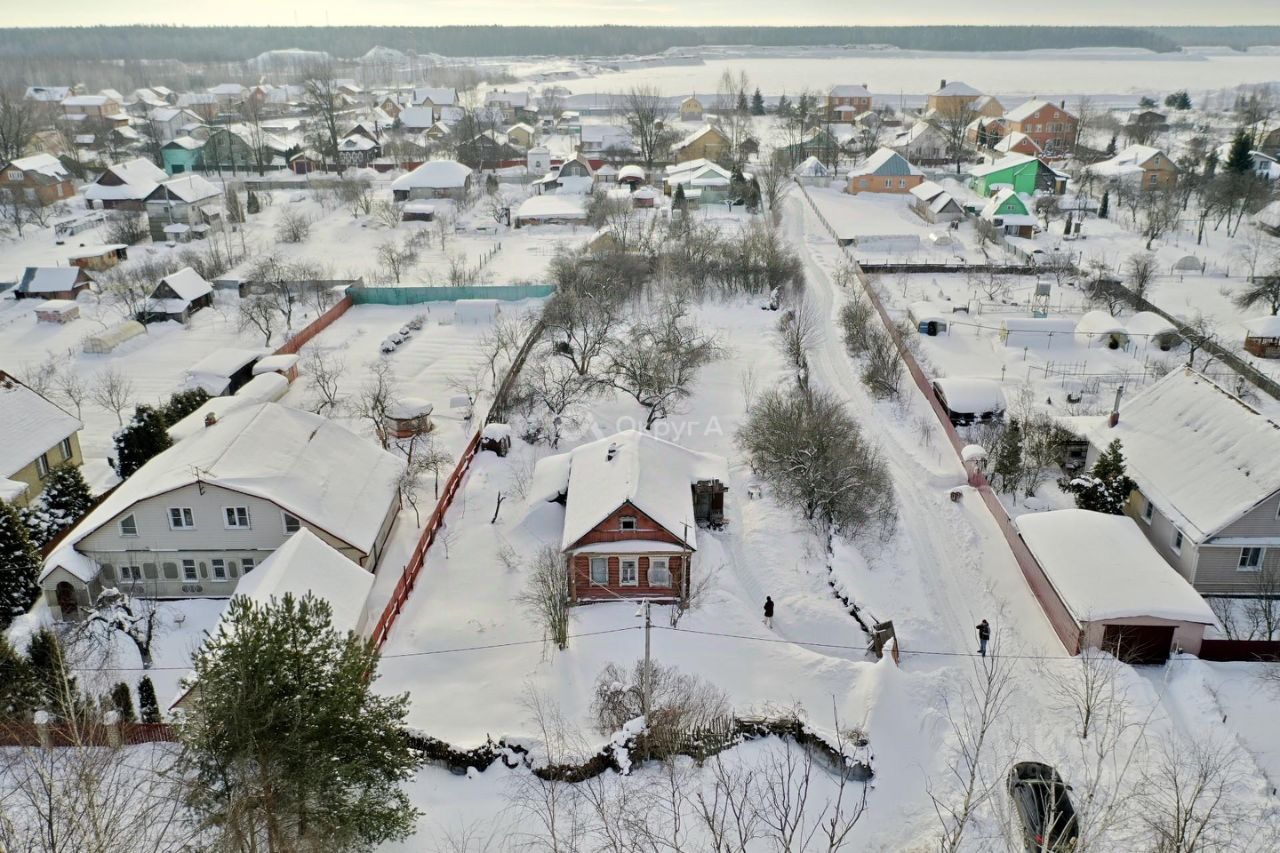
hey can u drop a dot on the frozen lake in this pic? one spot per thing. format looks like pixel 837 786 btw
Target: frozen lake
pixel 888 73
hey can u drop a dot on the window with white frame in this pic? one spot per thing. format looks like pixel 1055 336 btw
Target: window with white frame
pixel 1250 559
pixel 247 564
pixel 42 464
pixel 627 522
pixel 659 571
pixel 128 526
pixel 15 174
pixel 189 570
pixel 130 573
pixel 66 448
pixel 629 571
pixel 1177 541
pixel 600 570
pixel 181 518
pixel 236 517
pixel 292 524
pixel 219 567
pixel 1148 512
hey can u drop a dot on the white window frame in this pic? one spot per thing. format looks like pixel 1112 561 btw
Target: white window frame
pixel 247 564
pixel 42 465
pixel 194 575
pixel 284 522
pixel 1148 511
pixel 65 446
pixel 186 518
pixel 591 575
pixel 622 575
pixel 132 521
pixel 1242 564
pixel 15 175
pixel 132 574
pixel 218 566
pixel 231 518
pixel 1176 542
pixel 666 567
pixel 622 523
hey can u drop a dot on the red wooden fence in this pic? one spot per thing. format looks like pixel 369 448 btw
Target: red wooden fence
pixel 95 734
pixel 1242 650
pixel 1064 625
pixel 315 327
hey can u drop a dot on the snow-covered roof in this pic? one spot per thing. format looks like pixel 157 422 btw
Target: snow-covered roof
pixel 1103 567
pixel 434 174
pixel 306 565
pixel 47 93
pixel 42 164
pixel 409 408
pixel 885 162
pixel 225 361
pixel 1269 216
pixel 48 279
pixel 187 284
pixel 923 312
pixel 1006 162
pixel 266 388
pixel 631 172
pixel 971 395
pixel 652 474
pixel 139 178
pixel 1099 323
pixel 927 190
pixel 1202 456
pixel 85 101
pixel 1012 140
pixel 58 306
pixel 310 466
pixel 186 188
pixel 1263 327
pixel 849 90
pixel 515 99
pixel 226 89
pixel 552 206
pixel 190 143
pixel 1027 109
pixel 694 137
pixel 1148 324
pixel 275 364
pixel 1127 163
pixel 992 208
pixel 812 167
pixel 30 425
pixel 957 89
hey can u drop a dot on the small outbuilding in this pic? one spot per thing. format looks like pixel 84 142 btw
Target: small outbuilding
pixel 632 176
pixel 1126 599
pixel 107 340
pixel 57 311
pixel 1098 328
pixel 433 179
pixel 225 370
pixel 99 258
pixel 551 209
pixel 417 211
pixel 969 400
pixel 1262 337
pixel 1155 331
pixel 929 319
pixel 409 417
pixel 285 365
pixel 52 283
pixel 177 296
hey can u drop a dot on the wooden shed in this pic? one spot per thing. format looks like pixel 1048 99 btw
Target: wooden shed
pixel 98 258
pixel 1262 337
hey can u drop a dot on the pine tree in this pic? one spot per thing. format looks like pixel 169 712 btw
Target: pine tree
pixel 1240 160
pixel 340 757
pixel 784 106
pixel 56 690
pixel 1104 209
pixel 1184 100
pixel 17 684
pixel 122 702
pixel 143 437
pixel 1006 468
pixel 678 201
pixel 65 500
pixel 1111 146
pixel 1211 164
pixel 757 103
pixel 253 205
pixel 1107 487
pixel 183 403
pixel 742 106
pixel 19 567
pixel 148 707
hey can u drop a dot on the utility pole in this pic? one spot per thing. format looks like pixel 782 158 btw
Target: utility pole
pixel 646 678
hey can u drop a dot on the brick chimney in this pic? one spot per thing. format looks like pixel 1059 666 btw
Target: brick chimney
pixel 1115 409
pixel 210 419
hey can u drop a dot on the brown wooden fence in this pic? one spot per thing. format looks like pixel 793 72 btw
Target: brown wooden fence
pixel 1064 625
pixel 315 327
pixel 1240 650
pixel 96 734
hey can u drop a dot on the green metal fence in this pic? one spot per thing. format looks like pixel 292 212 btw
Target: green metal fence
pixel 415 295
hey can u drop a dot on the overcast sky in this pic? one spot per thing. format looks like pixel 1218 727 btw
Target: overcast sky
pixel 658 12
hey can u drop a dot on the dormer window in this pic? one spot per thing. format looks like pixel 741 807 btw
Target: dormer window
pixel 627 522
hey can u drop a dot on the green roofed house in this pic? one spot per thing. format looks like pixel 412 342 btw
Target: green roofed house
pixel 1010 212
pixel 1024 173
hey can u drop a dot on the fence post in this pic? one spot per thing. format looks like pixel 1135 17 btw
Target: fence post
pixel 41 719
pixel 111 721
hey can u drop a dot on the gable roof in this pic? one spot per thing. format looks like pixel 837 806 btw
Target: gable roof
pixel 695 136
pixel 1007 162
pixel 1103 567
pixel 1025 110
pixel 139 178
pixel 42 164
pixel 1200 454
pixel 992 208
pixel 51 279
pixel 1130 161
pixel 306 564
pixel 883 163
pixel 185 188
pixel 187 284
pixel 434 174
pixel 957 89
pixel 653 475
pixel 849 90
pixel 440 96
pixel 30 425
pixel 310 466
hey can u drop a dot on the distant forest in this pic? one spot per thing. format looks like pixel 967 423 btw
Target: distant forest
pixel 234 44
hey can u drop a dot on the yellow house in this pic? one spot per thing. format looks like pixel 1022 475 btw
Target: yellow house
pixel 521 136
pixel 705 143
pixel 691 109
pixel 38 436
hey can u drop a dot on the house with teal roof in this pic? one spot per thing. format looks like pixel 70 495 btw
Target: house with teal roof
pixel 1024 173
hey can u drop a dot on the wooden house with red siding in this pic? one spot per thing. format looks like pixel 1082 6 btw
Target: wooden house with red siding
pixel 633 504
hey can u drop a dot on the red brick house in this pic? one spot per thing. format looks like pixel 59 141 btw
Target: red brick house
pixel 1048 125
pixel 632 507
pixel 845 102
pixel 39 179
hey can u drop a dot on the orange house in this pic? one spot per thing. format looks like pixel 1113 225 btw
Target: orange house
pixel 633 504
pixel 885 171
pixel 1048 125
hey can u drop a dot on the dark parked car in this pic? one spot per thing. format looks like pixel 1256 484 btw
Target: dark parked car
pixel 1044 807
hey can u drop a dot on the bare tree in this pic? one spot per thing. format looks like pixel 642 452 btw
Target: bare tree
pixel 1185 799
pixel 324 372
pixel 1141 270
pixel 660 359
pixel 72 390
pixel 952 122
pixel 259 312
pixel 113 391
pixel 422 457
pixel 554 388
pixel 376 396
pixel 546 595
pixel 323 99
pixel 395 259
pixel 581 327
pixel 1262 291
pixel 18 126
pixel 549 809
pixel 1161 210
pixel 294 226
pixel 772 175
pixel 646 115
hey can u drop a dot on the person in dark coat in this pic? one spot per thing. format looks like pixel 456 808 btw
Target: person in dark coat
pixel 984 634
pixel 768 612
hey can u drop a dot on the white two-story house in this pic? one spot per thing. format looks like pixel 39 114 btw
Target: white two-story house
pixel 215 505
pixel 1206 470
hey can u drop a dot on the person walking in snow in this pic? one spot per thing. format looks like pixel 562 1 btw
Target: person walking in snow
pixel 984 634
pixel 768 612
